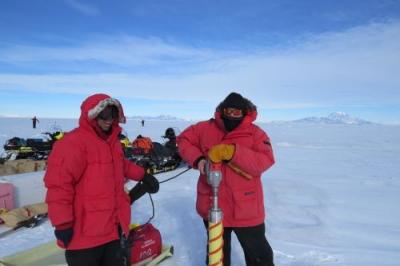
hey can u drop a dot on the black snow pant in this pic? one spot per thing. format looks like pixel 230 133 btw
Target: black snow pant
pixel 257 251
pixel 109 254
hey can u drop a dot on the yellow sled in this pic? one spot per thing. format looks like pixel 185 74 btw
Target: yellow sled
pixel 47 254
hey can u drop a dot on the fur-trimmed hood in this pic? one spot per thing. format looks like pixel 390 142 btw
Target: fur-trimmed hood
pixel 96 103
pixel 245 103
pixel 250 113
pixel 92 107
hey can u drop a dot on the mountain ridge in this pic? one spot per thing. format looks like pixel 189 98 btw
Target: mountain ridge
pixel 333 118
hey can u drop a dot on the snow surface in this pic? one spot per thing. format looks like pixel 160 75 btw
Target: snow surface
pixel 332 197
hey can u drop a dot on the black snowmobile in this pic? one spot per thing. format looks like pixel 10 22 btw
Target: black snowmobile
pixel 31 148
pixel 16 148
pixel 154 156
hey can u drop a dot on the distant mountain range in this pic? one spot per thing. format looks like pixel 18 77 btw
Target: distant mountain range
pixel 156 118
pixel 334 118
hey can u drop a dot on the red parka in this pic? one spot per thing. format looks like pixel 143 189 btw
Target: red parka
pixel 240 199
pixel 85 180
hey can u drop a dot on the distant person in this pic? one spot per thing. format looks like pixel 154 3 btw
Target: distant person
pixel 142 122
pixel 85 179
pixel 34 121
pixel 243 148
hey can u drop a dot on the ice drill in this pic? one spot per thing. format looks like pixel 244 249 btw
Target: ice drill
pixel 215 227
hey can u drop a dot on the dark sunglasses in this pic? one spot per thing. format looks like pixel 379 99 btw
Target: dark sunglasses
pixel 109 113
pixel 233 113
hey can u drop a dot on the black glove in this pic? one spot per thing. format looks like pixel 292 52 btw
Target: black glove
pixel 64 235
pixel 148 184
pixel 137 191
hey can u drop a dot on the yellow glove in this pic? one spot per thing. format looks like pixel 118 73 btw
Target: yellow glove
pixel 221 152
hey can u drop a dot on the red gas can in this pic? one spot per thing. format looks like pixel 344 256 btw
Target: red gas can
pixel 146 243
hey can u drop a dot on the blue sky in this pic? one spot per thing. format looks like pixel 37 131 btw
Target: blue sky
pixel 291 58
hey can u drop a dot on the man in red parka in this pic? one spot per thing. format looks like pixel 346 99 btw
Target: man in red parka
pixel 245 152
pixel 85 177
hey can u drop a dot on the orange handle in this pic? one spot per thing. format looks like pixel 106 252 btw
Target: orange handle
pixel 239 171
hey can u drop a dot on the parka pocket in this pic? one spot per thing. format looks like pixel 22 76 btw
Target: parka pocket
pixel 246 204
pixel 98 218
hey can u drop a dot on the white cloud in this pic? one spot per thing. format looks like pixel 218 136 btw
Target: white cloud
pixel 354 67
pixel 119 50
pixel 83 8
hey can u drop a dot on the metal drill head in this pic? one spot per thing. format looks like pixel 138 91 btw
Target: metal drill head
pixel 214 174
pixel 215 215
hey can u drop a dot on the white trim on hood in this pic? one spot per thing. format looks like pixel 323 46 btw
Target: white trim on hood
pixel 95 111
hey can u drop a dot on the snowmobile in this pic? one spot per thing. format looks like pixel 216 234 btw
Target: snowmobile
pixel 16 148
pixel 31 148
pixel 154 156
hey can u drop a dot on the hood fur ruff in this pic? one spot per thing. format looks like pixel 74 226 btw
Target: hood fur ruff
pixel 95 111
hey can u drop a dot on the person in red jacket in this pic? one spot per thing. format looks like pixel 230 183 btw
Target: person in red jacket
pixel 245 152
pixel 85 177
